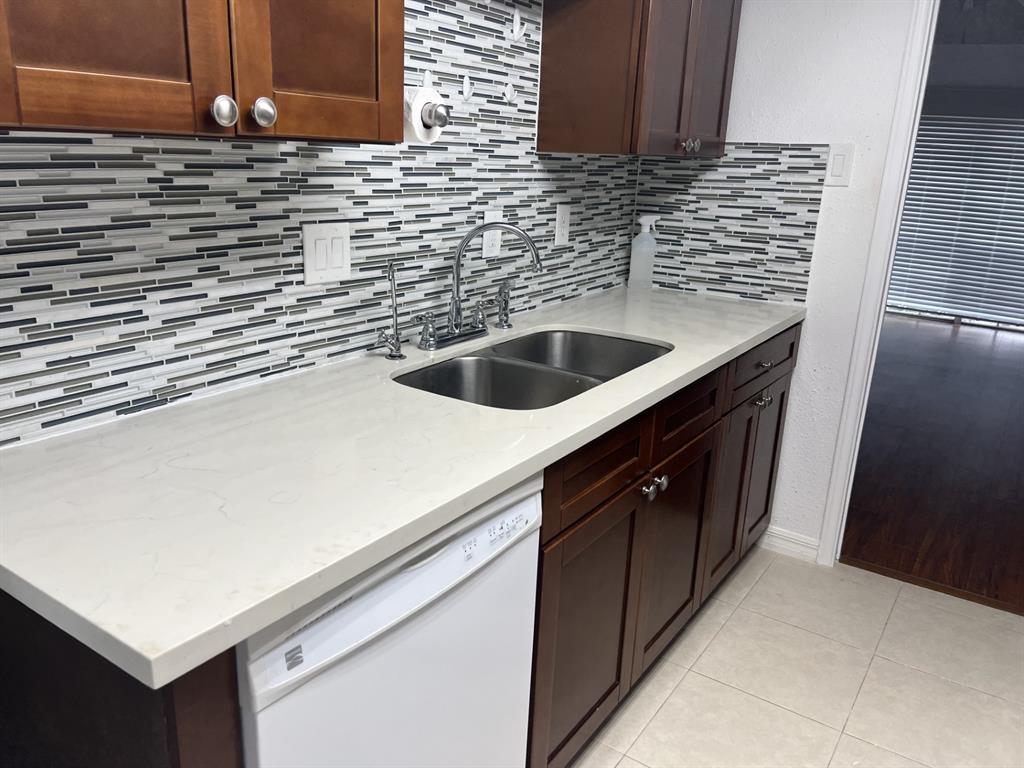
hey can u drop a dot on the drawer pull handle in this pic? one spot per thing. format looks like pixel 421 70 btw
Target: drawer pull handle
pixel 766 364
pixel 650 492
pixel 662 482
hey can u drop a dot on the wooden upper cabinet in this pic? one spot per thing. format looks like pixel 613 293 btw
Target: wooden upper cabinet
pixel 333 68
pixel 114 64
pixel 637 76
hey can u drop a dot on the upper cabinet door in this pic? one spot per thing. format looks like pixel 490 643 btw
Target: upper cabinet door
pixel 114 64
pixel 660 115
pixel 328 69
pixel 714 28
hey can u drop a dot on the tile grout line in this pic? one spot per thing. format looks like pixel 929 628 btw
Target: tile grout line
pixel 867 669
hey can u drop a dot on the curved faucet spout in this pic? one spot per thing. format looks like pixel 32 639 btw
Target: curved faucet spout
pixel 455 309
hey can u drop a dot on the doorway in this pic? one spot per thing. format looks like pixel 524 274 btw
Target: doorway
pixel 938 491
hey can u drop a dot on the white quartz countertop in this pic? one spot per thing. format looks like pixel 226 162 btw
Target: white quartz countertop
pixel 164 539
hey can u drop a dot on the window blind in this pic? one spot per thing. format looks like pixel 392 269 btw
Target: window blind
pixel 960 248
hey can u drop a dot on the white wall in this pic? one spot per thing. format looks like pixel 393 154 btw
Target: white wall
pixel 823 71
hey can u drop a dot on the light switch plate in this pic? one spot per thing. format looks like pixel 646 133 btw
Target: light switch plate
pixel 492 240
pixel 563 213
pixel 840 165
pixel 326 253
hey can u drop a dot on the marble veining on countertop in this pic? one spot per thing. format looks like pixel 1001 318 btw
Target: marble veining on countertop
pixel 164 539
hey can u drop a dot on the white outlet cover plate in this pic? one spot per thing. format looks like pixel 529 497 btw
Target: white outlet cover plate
pixel 326 252
pixel 839 170
pixel 492 240
pixel 563 219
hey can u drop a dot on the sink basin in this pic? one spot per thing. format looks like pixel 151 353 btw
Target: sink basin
pixel 589 354
pixel 499 382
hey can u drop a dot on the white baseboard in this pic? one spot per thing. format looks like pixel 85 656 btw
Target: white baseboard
pixel 789 543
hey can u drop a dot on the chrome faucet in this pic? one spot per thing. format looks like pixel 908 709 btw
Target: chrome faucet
pixel 455 308
pixel 391 339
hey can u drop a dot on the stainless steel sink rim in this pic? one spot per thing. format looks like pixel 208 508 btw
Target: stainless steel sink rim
pixel 508 376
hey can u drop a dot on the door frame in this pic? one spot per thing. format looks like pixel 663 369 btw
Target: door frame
pixel 889 212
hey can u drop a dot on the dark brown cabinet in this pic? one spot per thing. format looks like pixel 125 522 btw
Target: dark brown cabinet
pixel 639 526
pixel 637 76
pixel 333 68
pixel 587 607
pixel 326 68
pixel 671 571
pixel 114 64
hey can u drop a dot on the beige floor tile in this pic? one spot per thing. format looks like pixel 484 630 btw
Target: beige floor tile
pixel 850 609
pixel 935 721
pixel 957 647
pixel 739 582
pixel 634 714
pixel 975 611
pixel 598 755
pixel 796 669
pixel 698 633
pixel 707 723
pixel 854 753
pixel 629 762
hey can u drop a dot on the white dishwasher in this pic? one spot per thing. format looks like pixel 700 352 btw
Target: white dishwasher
pixel 425 662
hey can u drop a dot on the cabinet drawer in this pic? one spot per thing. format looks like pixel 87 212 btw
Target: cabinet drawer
pixel 763 364
pixel 584 479
pixel 683 416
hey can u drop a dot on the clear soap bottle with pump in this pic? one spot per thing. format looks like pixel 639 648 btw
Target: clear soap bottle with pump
pixel 641 255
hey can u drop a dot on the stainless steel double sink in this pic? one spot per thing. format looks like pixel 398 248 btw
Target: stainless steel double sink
pixel 534 371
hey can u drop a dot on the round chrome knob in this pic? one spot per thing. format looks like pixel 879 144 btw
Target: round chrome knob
pixel 650 492
pixel 224 110
pixel 264 112
pixel 662 482
pixel 696 145
pixel 435 115
pixel 689 145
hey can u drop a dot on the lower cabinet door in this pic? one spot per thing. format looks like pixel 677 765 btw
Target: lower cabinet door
pixel 723 534
pixel 671 569
pixel 585 628
pixel 765 461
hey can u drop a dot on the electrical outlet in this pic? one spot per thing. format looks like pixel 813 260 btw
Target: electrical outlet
pixel 326 253
pixel 492 240
pixel 563 213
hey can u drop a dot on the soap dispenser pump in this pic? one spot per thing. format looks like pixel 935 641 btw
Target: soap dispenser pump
pixel 641 255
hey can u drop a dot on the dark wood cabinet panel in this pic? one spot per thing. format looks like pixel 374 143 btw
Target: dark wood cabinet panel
pixel 114 64
pixel 671 571
pixel 641 76
pixel 773 403
pixel 588 75
pixel 584 479
pixel 709 70
pixel 682 417
pixel 585 628
pixel 334 68
pixel 723 533
pixel 754 370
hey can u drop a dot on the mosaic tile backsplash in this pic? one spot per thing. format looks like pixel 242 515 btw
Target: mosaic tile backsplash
pixel 138 271
pixel 742 225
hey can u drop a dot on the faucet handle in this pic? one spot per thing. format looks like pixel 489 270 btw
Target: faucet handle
pixel 428 334
pixel 480 312
pixel 393 342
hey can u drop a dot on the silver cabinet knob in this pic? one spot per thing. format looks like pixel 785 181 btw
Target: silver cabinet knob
pixel 435 115
pixel 662 482
pixel 224 110
pixel 650 492
pixel 765 364
pixel 696 145
pixel 264 112
pixel 689 145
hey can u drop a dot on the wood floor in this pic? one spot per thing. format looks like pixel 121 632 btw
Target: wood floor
pixel 938 495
